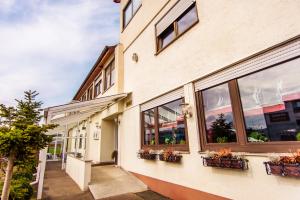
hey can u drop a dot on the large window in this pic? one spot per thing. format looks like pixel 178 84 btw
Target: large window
pixel 255 113
pixel 169 31
pixel 218 115
pixel 129 11
pixel 109 75
pixel 164 126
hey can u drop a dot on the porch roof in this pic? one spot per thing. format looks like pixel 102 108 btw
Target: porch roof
pixel 74 112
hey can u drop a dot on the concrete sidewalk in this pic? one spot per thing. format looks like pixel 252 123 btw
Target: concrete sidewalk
pixel 108 181
pixel 59 186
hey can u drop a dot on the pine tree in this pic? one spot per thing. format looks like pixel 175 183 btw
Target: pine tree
pixel 21 135
pixel 222 130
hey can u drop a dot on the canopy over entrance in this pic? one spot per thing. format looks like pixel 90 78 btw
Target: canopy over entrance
pixel 74 112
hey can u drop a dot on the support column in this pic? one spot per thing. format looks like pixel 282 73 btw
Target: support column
pixel 42 159
pixel 65 135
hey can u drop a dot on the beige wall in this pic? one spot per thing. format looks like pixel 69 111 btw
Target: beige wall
pixel 227 32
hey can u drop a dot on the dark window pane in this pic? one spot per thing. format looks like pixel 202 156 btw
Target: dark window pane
pixel 218 115
pixel 270 100
pixel 171 123
pixel 167 36
pixel 149 127
pixel 127 13
pixel 187 20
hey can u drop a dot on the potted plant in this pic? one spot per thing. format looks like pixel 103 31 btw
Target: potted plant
pixel 170 155
pixel 147 154
pixel 284 165
pixel 225 159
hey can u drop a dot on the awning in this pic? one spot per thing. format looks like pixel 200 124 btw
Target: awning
pixel 77 111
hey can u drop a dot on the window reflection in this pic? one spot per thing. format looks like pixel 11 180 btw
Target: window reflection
pixel 171 123
pixel 271 103
pixel 187 20
pixel 218 115
pixel 149 127
pixel 167 36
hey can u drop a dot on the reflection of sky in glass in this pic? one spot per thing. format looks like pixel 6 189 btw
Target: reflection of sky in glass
pixel 171 122
pixel 136 4
pixel 267 94
pixel 216 101
pixel 187 20
pixel 149 126
pixel 167 36
pixel 128 13
pixel 268 87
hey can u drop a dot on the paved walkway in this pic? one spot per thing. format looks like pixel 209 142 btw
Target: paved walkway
pixel 59 186
pixel 108 183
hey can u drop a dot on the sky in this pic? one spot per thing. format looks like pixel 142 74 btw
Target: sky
pixel 50 45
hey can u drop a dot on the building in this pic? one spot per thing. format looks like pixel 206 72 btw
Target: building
pixel 181 66
pixel 239 58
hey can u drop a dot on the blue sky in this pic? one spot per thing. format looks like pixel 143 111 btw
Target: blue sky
pixel 50 45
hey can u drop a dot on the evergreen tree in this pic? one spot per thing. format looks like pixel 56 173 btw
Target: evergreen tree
pixel 222 130
pixel 21 135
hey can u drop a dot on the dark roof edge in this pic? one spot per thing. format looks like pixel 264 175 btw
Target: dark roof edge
pixel 104 51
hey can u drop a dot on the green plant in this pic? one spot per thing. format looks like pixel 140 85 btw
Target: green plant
pixel 152 141
pixel 298 136
pixel 182 142
pixel 260 137
pixel 222 129
pixel 21 137
pixel 222 139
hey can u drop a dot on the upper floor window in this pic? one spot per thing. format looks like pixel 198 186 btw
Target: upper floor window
pixel 98 87
pixel 90 93
pixel 109 75
pixel 255 116
pixel 130 10
pixel 165 126
pixel 176 22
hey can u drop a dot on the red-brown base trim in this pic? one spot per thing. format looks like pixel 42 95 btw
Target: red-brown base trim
pixel 174 191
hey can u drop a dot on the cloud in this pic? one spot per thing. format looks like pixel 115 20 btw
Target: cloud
pixel 51 45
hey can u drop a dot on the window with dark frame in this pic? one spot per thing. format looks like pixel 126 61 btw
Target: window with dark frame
pixel 98 87
pixel 185 21
pixel 262 113
pixel 129 11
pixel 109 79
pixel 90 93
pixel 165 126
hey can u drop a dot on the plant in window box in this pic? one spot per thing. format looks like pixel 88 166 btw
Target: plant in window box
pixel 147 154
pixel 284 165
pixel 225 159
pixel 170 155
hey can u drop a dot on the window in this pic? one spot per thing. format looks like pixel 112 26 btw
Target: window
pixel 80 141
pixel 171 125
pixel 255 113
pixel 90 93
pixel 176 22
pixel 98 87
pixel 218 115
pixel 149 127
pixel 84 97
pixel 130 9
pixel 164 126
pixel 269 103
pixel 110 75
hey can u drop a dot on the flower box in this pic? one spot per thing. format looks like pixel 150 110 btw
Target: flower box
pixel 283 169
pixel 170 158
pixel 230 163
pixel 147 156
pixel 292 170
